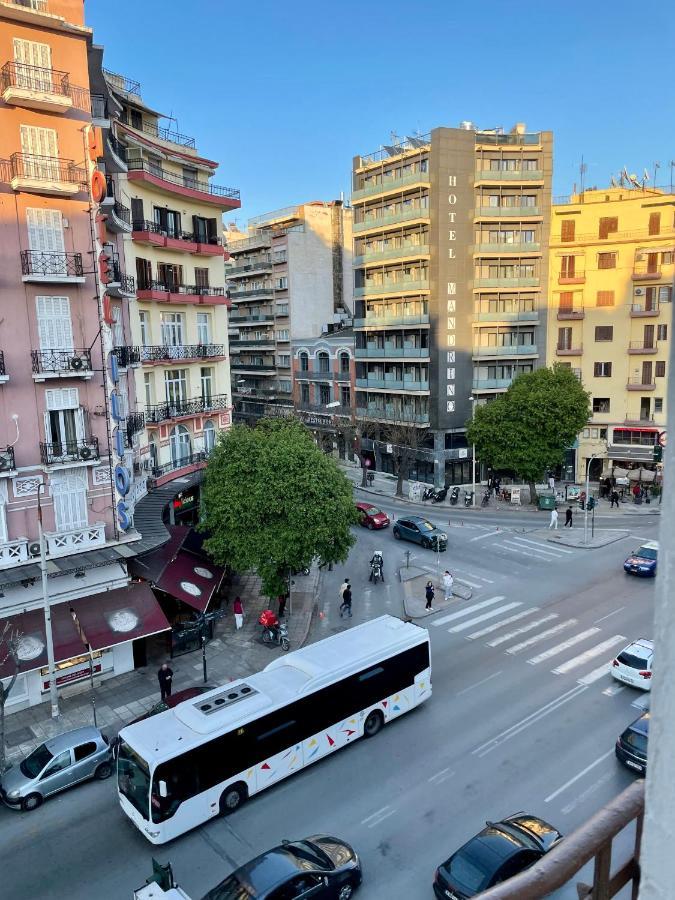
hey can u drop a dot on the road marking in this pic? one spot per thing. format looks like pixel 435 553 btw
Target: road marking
pixel 481 537
pixel 488 615
pixel 600 672
pixel 589 654
pixel 497 625
pixel 381 819
pixel 614 689
pixel 465 612
pixel 475 575
pixel 534 717
pixel 522 630
pixel 542 636
pixel 642 703
pixel 375 815
pixel 472 584
pixel 566 810
pixel 560 648
pixel 609 614
pixel 580 775
pixel 478 684
pixel 546 555
pixel 443 775
pixel 537 544
pixel 514 549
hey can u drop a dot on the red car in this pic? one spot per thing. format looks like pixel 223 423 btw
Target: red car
pixel 371 516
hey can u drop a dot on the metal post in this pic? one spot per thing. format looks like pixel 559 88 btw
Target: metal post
pixel 588 494
pixel 53 693
pixel 473 455
pixel 204 654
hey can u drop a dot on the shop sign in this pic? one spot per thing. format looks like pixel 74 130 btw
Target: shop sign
pixel 185 500
pixel 515 495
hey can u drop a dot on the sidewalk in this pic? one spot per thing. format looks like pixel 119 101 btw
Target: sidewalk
pixel 231 654
pixel 414 581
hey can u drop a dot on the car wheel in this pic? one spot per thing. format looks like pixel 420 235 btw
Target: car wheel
pixel 397 534
pixel 370 526
pixel 345 892
pixel 104 771
pixel 232 798
pixel 425 543
pixel 31 802
pixel 373 723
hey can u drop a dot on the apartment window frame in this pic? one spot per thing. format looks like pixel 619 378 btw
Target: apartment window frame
pixel 604 334
pixel 602 370
pixel 607 259
pixel 601 405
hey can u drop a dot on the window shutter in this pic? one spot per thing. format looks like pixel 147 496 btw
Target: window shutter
pixel 69 493
pixel 565 303
pixel 212 230
pixel 62 398
pixel 568 227
pixel 604 298
pixel 137 213
pixel 655 223
pixel 39 141
pixel 54 323
pixel 45 230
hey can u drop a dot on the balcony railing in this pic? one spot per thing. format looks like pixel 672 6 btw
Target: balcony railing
pixel 251 320
pixel 127 356
pixel 511 315
pixel 263 239
pixel 570 312
pixel 62 542
pixel 62 265
pixel 390 350
pixel 3 373
pixel 491 384
pixel 507 350
pixel 499 248
pixel 638 310
pixel 34 78
pixel 69 451
pixel 509 175
pixel 392 414
pixel 122 83
pixel 183 181
pixel 644 273
pixel 488 212
pixel 392 287
pixel 383 321
pixel 181 351
pixel 61 362
pixel 190 289
pixel 189 459
pixel 164 134
pixel 254 366
pixel 163 412
pixel 261 265
pixel 643 347
pixel 390 185
pixel 401 215
pixel 7 463
pixel 35 5
pixel 256 292
pixel 135 424
pixel 117 148
pixel 144 225
pixel 507 281
pixel 407 250
pixel 639 383
pixel 47 169
pixel 569 350
pixel 122 212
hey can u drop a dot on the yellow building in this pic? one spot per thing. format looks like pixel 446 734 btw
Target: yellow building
pixel 610 291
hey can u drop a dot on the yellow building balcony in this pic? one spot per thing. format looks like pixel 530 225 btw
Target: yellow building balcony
pixel 646 274
pixel 573 278
pixel 570 312
pixel 644 310
pixel 568 350
pixel 638 383
pixel 642 348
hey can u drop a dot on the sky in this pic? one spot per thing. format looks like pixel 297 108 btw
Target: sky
pixel 283 93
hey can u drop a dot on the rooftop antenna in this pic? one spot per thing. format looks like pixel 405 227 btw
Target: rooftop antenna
pixel 583 168
pixel 657 166
pixel 672 166
pixel 613 182
pixel 393 137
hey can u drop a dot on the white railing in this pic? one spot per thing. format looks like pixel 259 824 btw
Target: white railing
pixel 138 490
pixel 14 552
pixel 60 543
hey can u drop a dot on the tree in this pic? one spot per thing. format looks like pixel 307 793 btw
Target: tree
pixel 404 438
pixel 9 653
pixel 273 502
pixel 528 428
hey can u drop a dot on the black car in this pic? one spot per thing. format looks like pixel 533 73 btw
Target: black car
pixel 500 851
pixel 631 746
pixel 320 867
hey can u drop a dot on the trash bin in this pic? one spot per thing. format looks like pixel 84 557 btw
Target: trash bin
pixel 546 502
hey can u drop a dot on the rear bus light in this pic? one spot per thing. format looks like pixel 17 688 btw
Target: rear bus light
pixel 645 674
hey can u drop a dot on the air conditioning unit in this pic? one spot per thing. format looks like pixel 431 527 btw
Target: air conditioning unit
pixel 85 453
pixel 34 549
pixel 76 363
pixel 639 292
pixel 5 463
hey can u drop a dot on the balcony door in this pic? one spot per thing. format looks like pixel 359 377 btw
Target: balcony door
pixel 69 491
pixel 206 378
pixel 181 447
pixel 209 436
pixel 45 235
pixel 647 372
pixel 29 56
pixel 64 421
pixel 171 276
pixel 649 336
pixel 41 147
pixel 55 328
pixel 173 329
pixel 175 384
pixel 168 221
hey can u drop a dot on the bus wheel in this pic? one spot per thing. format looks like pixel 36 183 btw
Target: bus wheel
pixel 373 723
pixel 232 798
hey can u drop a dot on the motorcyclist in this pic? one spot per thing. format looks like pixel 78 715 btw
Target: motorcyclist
pixel 377 559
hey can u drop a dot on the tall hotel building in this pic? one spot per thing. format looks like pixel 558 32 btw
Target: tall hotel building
pixel 450 276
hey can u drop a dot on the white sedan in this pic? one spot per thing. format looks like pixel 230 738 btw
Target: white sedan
pixel 634 664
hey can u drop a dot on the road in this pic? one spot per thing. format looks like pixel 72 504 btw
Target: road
pixel 523 716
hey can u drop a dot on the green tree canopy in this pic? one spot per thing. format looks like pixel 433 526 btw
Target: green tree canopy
pixel 528 428
pixel 272 501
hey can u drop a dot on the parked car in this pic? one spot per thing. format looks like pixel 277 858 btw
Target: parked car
pixel 173 700
pixel 420 531
pixel 372 517
pixel 631 745
pixel 500 851
pixel 643 560
pixel 59 763
pixel 634 664
pixel 320 867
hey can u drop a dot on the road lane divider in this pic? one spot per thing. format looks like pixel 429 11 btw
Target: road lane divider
pixel 579 775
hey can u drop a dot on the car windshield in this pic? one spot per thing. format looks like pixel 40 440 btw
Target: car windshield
pixel 133 779
pixel 230 889
pixel 426 526
pixel 629 659
pixel 309 856
pixel 32 765
pixel 371 511
pixel 646 553
pixel 635 741
pixel 468 872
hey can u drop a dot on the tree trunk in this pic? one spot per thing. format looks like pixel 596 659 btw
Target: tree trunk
pixel 364 471
pixel 533 492
pixel 4 694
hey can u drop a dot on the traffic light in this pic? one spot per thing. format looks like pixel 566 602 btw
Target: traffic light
pixel 590 503
pixel 658 453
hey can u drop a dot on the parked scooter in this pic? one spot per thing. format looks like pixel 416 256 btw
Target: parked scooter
pixel 468 498
pixel 427 493
pixel 486 497
pixel 273 631
pixel 454 496
pixel 439 495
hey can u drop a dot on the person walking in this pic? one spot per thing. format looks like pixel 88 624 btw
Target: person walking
pixel 238 610
pixel 551 483
pixel 497 486
pixel 346 605
pixel 447 585
pixel 429 593
pixel 164 677
pixel 554 519
pixel 615 499
pixel 568 517
pixel 343 588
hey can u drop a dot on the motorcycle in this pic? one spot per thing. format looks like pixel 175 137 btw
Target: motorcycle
pixel 454 496
pixel 468 498
pixel 439 495
pixel 486 497
pixel 273 631
pixel 376 571
pixel 428 493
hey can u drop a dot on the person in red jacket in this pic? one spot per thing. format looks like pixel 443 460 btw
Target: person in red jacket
pixel 238 610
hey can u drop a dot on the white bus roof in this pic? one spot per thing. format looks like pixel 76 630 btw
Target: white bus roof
pixel 286 678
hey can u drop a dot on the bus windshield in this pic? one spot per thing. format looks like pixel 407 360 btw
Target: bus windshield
pixel 133 779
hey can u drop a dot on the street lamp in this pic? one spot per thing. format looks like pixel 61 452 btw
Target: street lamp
pixel 588 494
pixel 473 454
pixel 53 694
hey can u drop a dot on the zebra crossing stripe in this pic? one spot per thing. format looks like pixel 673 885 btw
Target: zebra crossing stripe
pixel 554 554
pixel 589 654
pixel 536 544
pixel 466 611
pixel 522 630
pixel 542 636
pixel 600 672
pixel 560 648
pixel 497 625
pixel 487 615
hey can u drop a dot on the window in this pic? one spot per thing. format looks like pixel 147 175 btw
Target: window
pixel 206 381
pixel 284 386
pixel 607 226
pixel 660 368
pixel 323 362
pixel 281 284
pixel 304 394
pixel 172 329
pixel 190 177
pixel 45 234
pixel 567 266
pixel 602 369
pixel 3 509
pixel 606 260
pixel 205 230
pixel 662 332
pixel 175 385
pixel 55 330
pixel 180 444
pixel 345 395
pixel 136 119
pixel 564 339
pixel 324 394
pixel 567 229
pixel 203 328
pixel 144 321
pixel 117 327
pixel 344 363
pixel 654 223
pixel 64 420
pixel 137 214
pixel 284 360
pixel 41 151
pixel 143 274
pixel 58 764
pixel 69 491
pixel 604 332
pixel 168 221
pixel 209 436
pixel 171 276
pixel 658 404
pixel 304 362
pixel 665 293
pixel 600 404
pixel 604 298
pixel 147 384
pixel 201 277
pixel 84 750
pixel 565 301
pixel 283 334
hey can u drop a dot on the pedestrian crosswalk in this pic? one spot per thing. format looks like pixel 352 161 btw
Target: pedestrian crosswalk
pixel 526 548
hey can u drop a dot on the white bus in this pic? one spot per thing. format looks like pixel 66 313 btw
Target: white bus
pixel 207 755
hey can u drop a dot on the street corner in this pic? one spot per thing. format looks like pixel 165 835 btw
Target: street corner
pixel 574 537
pixel 414 600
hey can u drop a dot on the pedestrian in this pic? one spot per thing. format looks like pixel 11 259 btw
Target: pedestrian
pixel 238 610
pixel 447 585
pixel 164 677
pixel 497 484
pixel 343 587
pixel 551 483
pixel 568 517
pixel 554 519
pixel 429 593
pixel 346 605
pixel 282 604
pixel 615 499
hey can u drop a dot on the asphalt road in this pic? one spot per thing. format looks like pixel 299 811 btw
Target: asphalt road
pixel 523 717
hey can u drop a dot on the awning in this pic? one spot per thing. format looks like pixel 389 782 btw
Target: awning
pixel 30 629
pixel 151 565
pixel 192 579
pixel 115 617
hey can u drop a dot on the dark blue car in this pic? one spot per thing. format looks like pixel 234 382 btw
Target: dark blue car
pixel 643 561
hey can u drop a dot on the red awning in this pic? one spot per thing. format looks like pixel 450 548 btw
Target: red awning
pixel 115 617
pixel 151 565
pixel 192 579
pixel 30 630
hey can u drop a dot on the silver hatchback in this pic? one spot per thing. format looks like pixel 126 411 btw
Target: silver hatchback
pixel 59 763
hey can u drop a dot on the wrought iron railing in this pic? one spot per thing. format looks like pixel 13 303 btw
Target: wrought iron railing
pixel 185 181
pixel 7 463
pixel 50 360
pixel 37 5
pixel 128 85
pixel 123 213
pixel 190 236
pixel 162 412
pixel 127 356
pixel 35 78
pixel 190 459
pixel 35 262
pixel 152 284
pixel 117 147
pixel 2 363
pixel 47 168
pixel 69 451
pixel 181 351
pixel 135 424
pixel 164 134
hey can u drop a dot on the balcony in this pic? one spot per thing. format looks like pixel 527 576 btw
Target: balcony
pixel 7 463
pixel 506 282
pixel 521 315
pixel 51 268
pixel 638 383
pixel 644 273
pixel 3 373
pixel 46 175
pixel 315 375
pixel 261 265
pixel 395 218
pixel 155 235
pixel 127 356
pixel 118 218
pixel 119 284
pixel 499 249
pixel 81 451
pixel 181 293
pixel 187 352
pixel 643 347
pixel 241 321
pixel 183 185
pixel 371 383
pixel 409 251
pixel 122 83
pixel 519 176
pixel 245 294
pixel 237 344
pixel 644 310
pixel 30 6
pixel 61 543
pixel 372 351
pixel 498 212
pixel 61 364
pixel 302 407
pixel 571 278
pixel 200 458
pixel 568 350
pixel 492 384
pixel 386 321
pixel 118 152
pixel 177 409
pixel 390 186
pixel 252 368
pixel 570 312
pixel 164 134
pixel 33 87
pixel 403 286
pixel 13 553
pixel 262 239
pixel 134 425
pixel 392 414
pixel 515 350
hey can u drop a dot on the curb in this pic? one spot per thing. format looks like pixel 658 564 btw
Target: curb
pixel 612 539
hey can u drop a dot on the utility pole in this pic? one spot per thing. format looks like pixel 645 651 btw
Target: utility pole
pixel 53 693
pixel 588 494
pixel 473 455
